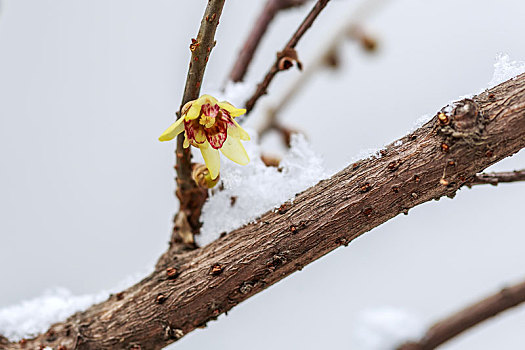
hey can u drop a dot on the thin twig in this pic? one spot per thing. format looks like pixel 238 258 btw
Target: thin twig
pixel 450 327
pixel 267 15
pixel 496 177
pixel 327 57
pixel 307 23
pixel 190 196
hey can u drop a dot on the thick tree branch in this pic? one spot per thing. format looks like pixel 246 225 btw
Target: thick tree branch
pixel 497 177
pixel 190 196
pixel 450 327
pixel 188 289
pixel 307 23
pixel 267 15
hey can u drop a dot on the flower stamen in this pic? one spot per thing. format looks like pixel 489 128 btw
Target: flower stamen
pixel 209 126
pixel 207 121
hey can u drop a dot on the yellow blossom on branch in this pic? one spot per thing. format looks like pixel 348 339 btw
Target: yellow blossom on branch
pixel 209 126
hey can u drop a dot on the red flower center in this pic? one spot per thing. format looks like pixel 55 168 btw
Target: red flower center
pixel 211 125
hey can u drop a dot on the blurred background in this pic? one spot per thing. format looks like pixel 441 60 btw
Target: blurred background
pixel 86 190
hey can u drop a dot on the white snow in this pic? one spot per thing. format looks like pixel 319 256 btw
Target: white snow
pixel 420 122
pixel 235 93
pixel 34 316
pixel 385 328
pixel 505 69
pixel 258 188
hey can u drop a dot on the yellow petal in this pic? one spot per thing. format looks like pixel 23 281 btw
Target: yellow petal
pixel 185 108
pixel 234 112
pixel 238 132
pixel 234 150
pixel 200 136
pixel 195 109
pixel 174 129
pixel 207 99
pixel 211 158
pixel 193 112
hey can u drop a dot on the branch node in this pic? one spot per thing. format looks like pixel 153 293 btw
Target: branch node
pixel 172 273
pixel 365 187
pixel 216 269
pixel 284 208
pixel 161 298
pixel 367 211
pixel 287 58
pixel 246 288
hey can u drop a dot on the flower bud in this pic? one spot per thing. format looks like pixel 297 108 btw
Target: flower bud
pixel 202 177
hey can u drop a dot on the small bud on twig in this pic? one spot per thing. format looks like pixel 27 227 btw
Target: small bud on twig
pixel 202 177
pixel 366 40
pixel 287 58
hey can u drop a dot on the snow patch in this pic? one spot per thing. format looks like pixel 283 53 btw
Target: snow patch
pixel 235 93
pixel 385 328
pixel 258 188
pixel 34 316
pixel 420 122
pixel 505 69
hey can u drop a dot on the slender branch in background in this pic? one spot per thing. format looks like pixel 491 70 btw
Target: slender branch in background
pixel 450 327
pixel 188 290
pixel 267 15
pixel 4 341
pixel 350 28
pixel 190 196
pixel 497 177
pixel 307 23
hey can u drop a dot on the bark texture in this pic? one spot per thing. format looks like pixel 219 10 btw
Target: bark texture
pixel 481 311
pixel 189 289
pixel 191 197
pixel 498 177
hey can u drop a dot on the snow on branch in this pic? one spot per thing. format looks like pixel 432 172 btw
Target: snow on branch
pixel 251 190
pixel 505 69
pixel 34 316
pixel 189 289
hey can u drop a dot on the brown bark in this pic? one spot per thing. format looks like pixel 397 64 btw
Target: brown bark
pixel 327 57
pixel 191 197
pixel 498 177
pixel 307 23
pixel 451 326
pixel 267 15
pixel 188 289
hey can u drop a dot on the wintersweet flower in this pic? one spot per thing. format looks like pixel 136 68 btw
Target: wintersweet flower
pixel 209 126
